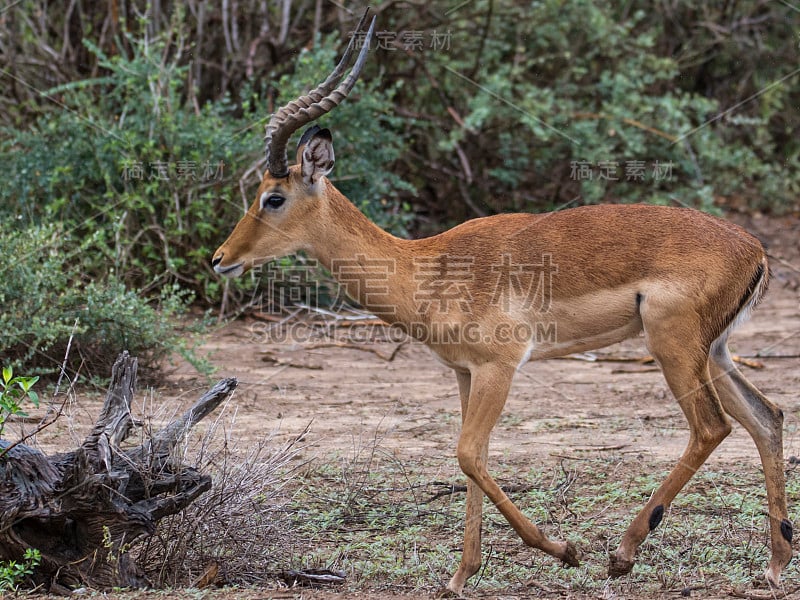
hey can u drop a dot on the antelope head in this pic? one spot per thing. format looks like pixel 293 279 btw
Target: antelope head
pixel 289 198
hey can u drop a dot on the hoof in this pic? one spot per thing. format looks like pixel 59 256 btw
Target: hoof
pixel 617 567
pixel 446 592
pixel 773 577
pixel 571 556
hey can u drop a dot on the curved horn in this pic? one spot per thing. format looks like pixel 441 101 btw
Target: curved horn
pixel 313 105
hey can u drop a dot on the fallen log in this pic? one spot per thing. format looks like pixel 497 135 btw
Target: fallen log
pixel 85 508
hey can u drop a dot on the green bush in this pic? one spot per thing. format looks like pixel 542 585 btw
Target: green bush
pixel 154 182
pixel 561 84
pixel 144 187
pixel 127 167
pixel 624 80
pixel 48 296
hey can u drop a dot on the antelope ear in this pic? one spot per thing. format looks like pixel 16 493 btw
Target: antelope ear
pixel 307 135
pixel 316 155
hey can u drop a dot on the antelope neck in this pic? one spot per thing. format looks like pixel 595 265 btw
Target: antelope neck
pixel 373 265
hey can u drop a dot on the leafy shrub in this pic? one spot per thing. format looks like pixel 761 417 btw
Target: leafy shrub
pixel 612 76
pixel 49 296
pixel 497 119
pixel 543 88
pixel 143 187
pixel 130 170
pixel 152 181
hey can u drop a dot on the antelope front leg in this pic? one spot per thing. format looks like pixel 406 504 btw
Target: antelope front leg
pixel 471 556
pixel 487 395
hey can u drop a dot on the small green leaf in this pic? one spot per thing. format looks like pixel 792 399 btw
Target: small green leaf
pixel 26 383
pixel 8 372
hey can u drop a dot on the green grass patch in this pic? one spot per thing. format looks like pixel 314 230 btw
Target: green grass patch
pixel 375 520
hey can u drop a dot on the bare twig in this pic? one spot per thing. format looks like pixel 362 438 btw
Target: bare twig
pixel 313 578
pixel 387 357
pixel 448 489
pixel 647 360
pixel 282 361
pixel 773 595
pixel 38 429
pixel 63 369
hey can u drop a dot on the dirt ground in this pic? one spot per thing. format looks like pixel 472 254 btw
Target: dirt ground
pixel 352 394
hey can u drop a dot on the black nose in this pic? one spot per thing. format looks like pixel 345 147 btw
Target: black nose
pixel 216 260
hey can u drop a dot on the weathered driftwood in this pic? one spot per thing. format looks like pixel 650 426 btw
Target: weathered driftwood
pixel 83 509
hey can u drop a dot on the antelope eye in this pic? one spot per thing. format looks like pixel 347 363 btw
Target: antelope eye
pixel 271 200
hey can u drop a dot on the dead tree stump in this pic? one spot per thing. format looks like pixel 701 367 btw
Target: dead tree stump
pixel 83 509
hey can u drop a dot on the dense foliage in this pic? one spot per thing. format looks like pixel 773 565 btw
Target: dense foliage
pixel 131 132
pixel 49 297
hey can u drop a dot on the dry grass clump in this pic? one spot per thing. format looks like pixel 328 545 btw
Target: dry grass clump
pixel 238 531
